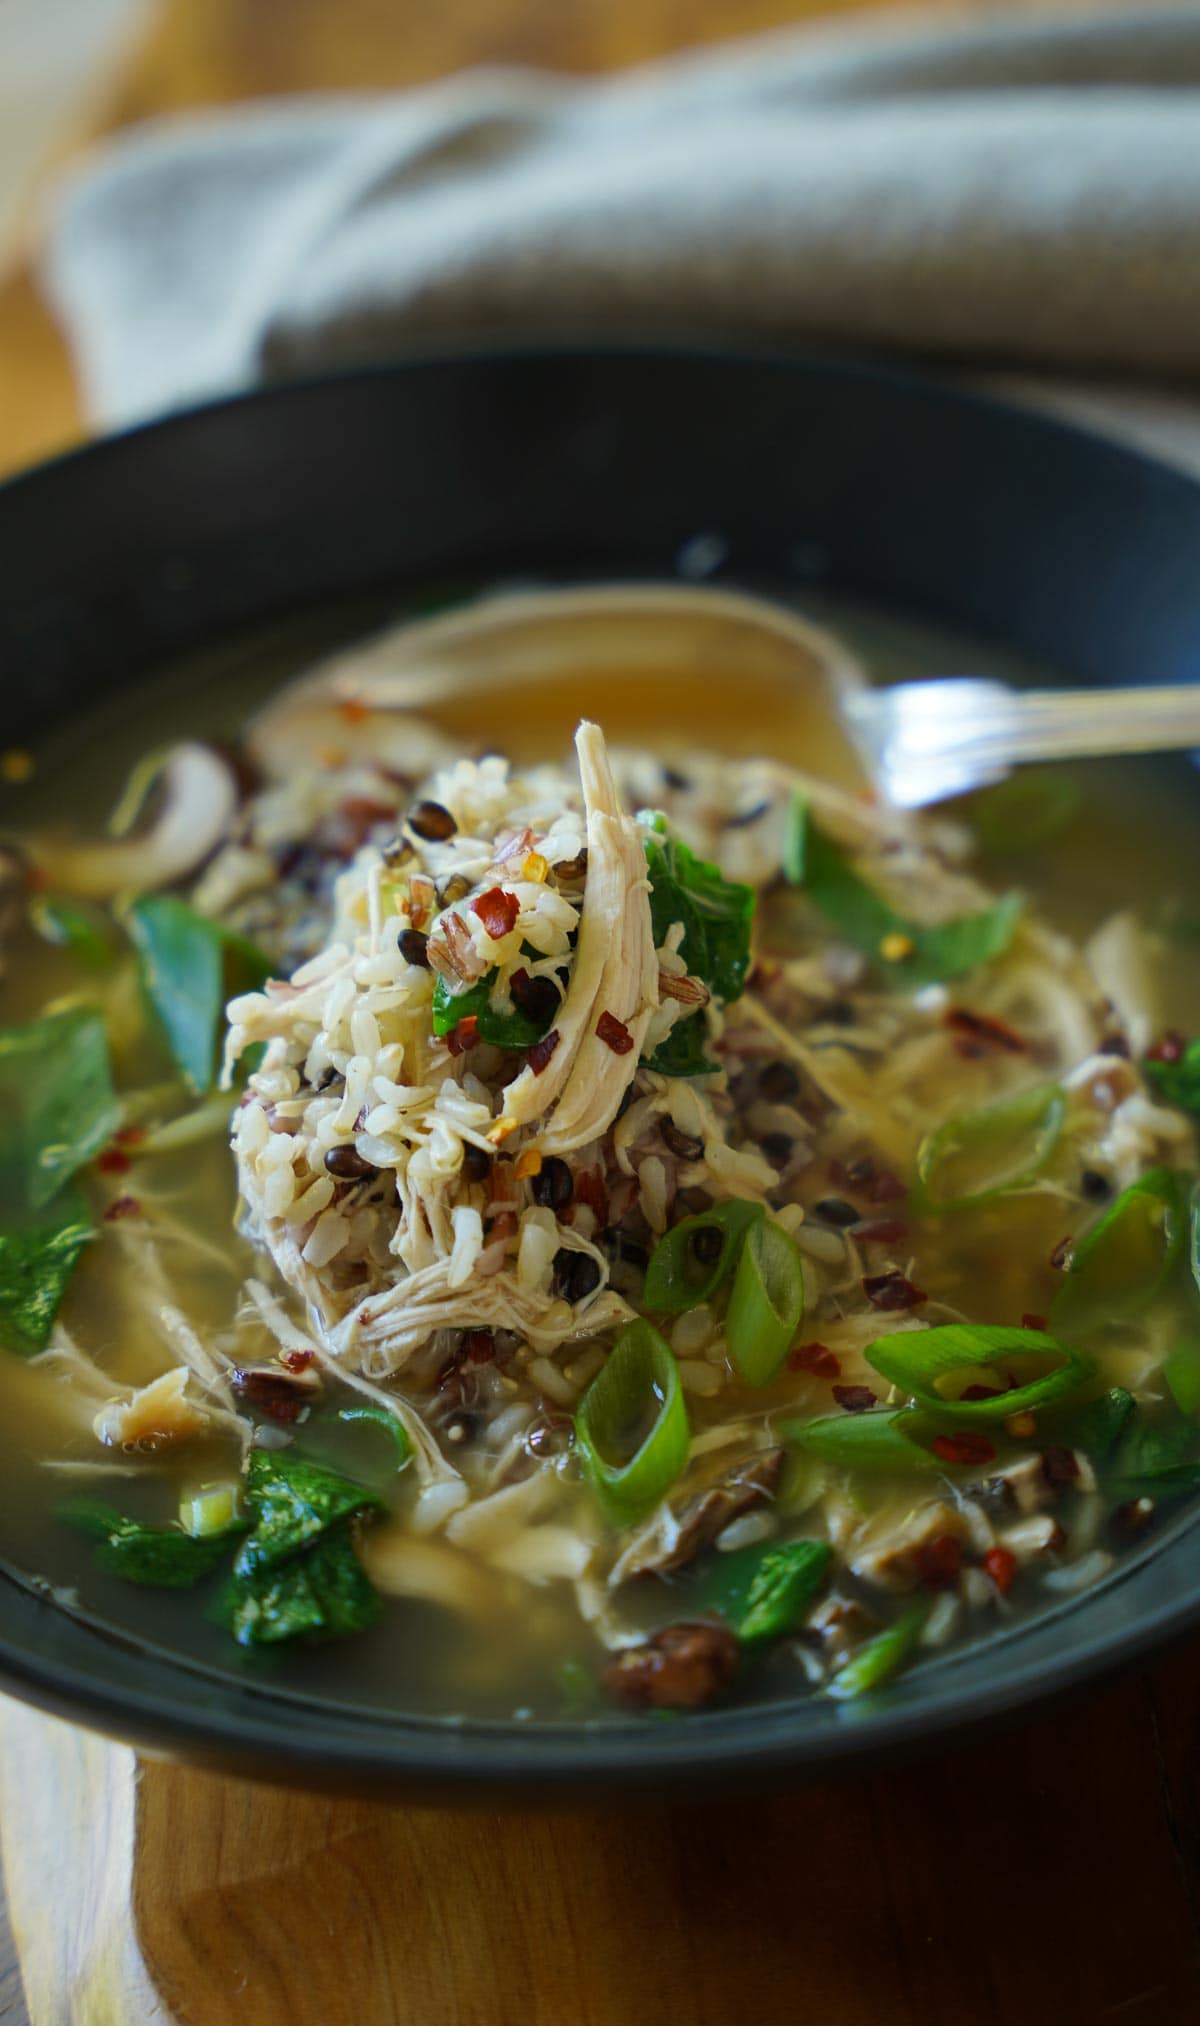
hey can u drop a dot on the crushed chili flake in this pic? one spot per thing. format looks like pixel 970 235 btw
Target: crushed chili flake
pixel 121 1206
pixel 465 1035
pixel 1001 1565
pixel 614 1034
pixel 1029 1321
pixel 892 1291
pixel 296 1361
pixel 884 1231
pixel 1059 1465
pixel 130 1136
pixel 539 1055
pixel 885 1188
pixel 528 1164
pixel 975 1033
pixel 113 1162
pixel 478 1347
pixel 1061 1253
pixel 854 1399
pixel 939 1562
pixel 816 1358
pixel 353 711
pixel 1169 1047
pixel 497 910
pixel 965 1446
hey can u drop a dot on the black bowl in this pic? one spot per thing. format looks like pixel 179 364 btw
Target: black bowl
pixel 867 484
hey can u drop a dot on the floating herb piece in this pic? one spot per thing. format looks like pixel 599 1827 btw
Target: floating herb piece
pixel 982 1155
pixel 883 1440
pixel 767 1301
pixel 1124 1261
pixel 763 1593
pixel 1098 1427
pixel 696 1257
pixel 683 1053
pixel 1153 1460
pixel 881 1658
pixel 1025 812
pixel 632 1425
pixel 37 1259
pixel 369 1412
pixel 75 925
pixel 870 923
pixel 161 1558
pixel 292 1501
pixel 716 913
pixel 57 1106
pixel 917 1359
pixel 324 1593
pixel 513 1029
pixel 189 966
pixel 1178 1082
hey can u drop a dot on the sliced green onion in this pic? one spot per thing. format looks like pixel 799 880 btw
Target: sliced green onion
pixel 212 1510
pixel 881 1658
pixel 985 1154
pixel 763 1593
pixel 881 1441
pixel 1178 1082
pixel 916 1359
pixel 1153 1460
pixel 767 1302
pixel 635 1398
pixel 381 1417
pixel 1124 1260
pixel 676 1279
pixel 1026 811
pixel 1181 1370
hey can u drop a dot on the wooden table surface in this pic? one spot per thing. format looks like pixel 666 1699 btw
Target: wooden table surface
pixel 1047 1877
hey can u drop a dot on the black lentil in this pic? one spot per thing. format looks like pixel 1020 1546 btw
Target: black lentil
pixel 778 1082
pixel 837 1211
pixel 476 1164
pixel 576 1274
pixel 684 1145
pixel 348 1165
pixel 553 1185
pixel 414 948
pixel 432 822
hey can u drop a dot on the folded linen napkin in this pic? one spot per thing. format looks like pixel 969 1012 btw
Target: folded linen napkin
pixel 1022 190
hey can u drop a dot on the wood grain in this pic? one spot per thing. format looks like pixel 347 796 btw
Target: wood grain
pixel 1047 1877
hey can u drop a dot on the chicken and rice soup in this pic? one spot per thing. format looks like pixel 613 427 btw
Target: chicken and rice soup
pixel 600 1234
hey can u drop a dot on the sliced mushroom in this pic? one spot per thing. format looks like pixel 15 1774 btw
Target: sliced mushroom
pixel 158 1416
pixel 898 1563
pixel 198 798
pixel 750 1482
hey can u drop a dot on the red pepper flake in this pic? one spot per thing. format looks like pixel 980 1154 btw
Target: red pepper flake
pixel 886 1188
pixel 353 711
pixel 497 910
pixel 121 1206
pixel 614 1034
pixel 465 1035
pixel 113 1162
pixel 965 1446
pixel 1029 1321
pixel 884 1231
pixel 478 1347
pixel 539 1055
pixel 1061 1253
pixel 816 1358
pixel 590 1188
pixel 939 1562
pixel 1169 1047
pixel 296 1361
pixel 976 1033
pixel 1059 1465
pixel 1001 1565
pixel 363 812
pixel 981 1393
pixel 130 1136
pixel 854 1399
pixel 892 1291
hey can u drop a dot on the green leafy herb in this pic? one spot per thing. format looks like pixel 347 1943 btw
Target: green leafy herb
pixel 763 1593
pixel 632 1425
pixel 1178 1082
pixel 57 1106
pixel 323 1593
pixel 189 967
pixel 988 1153
pixel 1097 1427
pixel 767 1301
pixel 683 1051
pixel 687 1266
pixel 866 920
pixel 883 1441
pixel 162 1558
pixel 916 1359
pixel 881 1658
pixel 75 925
pixel 37 1259
pixel 293 1500
pixel 1123 1262
pixel 513 1029
pixel 1153 1459
pixel 717 915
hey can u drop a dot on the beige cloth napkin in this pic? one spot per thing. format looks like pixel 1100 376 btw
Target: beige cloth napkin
pixel 1016 190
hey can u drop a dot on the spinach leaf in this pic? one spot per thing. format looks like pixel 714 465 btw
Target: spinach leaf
pixel 1152 1460
pixel 294 1500
pixel 161 1558
pixel 682 1053
pixel 37 1259
pixel 57 1106
pixel 1178 1082
pixel 513 1029
pixel 867 920
pixel 1098 1427
pixel 763 1593
pixel 717 914
pixel 189 967
pixel 323 1593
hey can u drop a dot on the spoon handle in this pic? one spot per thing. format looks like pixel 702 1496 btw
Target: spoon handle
pixel 928 740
